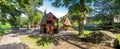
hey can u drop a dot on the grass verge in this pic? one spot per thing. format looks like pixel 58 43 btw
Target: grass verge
pixel 1 32
pixel 86 32
pixel 7 25
pixel 32 42
pixel 118 37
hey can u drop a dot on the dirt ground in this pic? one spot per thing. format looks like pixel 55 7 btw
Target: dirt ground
pixel 69 42
pixel 75 44
pixel 1 38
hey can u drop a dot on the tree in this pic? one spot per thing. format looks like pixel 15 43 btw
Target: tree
pixel 106 11
pixel 38 16
pixel 79 7
pixel 28 6
pixel 7 7
pixel 23 21
pixel 22 6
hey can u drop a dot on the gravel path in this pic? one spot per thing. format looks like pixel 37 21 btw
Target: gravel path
pixel 10 41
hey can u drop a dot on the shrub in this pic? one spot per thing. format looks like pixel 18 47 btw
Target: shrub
pixel 1 32
pixel 95 37
pixel 107 27
pixel 24 26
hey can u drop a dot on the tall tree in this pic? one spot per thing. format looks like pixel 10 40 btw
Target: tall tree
pixel 8 7
pixel 80 7
pixel 28 6
pixel 23 21
pixel 106 10
pixel 38 16
pixel 25 6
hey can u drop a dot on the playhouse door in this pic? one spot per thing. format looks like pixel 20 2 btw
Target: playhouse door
pixel 50 28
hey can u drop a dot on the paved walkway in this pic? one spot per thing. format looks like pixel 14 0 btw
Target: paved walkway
pixel 11 41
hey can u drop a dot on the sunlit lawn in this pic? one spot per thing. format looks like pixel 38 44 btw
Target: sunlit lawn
pixel 86 32
pixel 32 42
pixel 7 25
pixel 118 37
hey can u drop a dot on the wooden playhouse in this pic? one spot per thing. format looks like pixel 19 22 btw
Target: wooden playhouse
pixel 49 24
pixel 67 25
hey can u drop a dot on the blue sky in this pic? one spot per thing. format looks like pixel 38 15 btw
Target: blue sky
pixel 58 12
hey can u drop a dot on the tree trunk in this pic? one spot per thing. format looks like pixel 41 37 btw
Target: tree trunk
pixel 29 27
pixel 29 22
pixel 81 23
pixel 82 17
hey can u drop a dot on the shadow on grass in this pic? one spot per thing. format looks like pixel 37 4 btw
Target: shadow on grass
pixel 55 40
pixel 42 40
pixel 33 37
pixel 47 40
pixel 73 40
pixel 118 47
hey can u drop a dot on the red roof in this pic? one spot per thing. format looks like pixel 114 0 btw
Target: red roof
pixel 51 16
pixel 67 22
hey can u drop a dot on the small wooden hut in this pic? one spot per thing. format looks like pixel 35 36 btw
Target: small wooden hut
pixel 49 23
pixel 67 25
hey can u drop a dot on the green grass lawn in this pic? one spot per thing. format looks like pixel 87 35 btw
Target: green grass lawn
pixel 1 32
pixel 7 25
pixel 33 42
pixel 86 32
pixel 118 37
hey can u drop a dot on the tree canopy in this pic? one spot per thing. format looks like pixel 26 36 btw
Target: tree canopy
pixel 79 7
pixel 16 7
pixel 106 10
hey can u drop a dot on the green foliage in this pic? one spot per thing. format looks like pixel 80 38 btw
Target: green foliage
pixel 6 6
pixel 16 7
pixel 29 3
pixel 104 18
pixel 14 21
pixel 6 25
pixel 24 26
pixel 37 17
pixel 23 20
pixel 107 27
pixel 95 37
pixel 1 32
pixel 46 41
pixel 75 25
pixel 117 25
pixel 118 37
pixel 86 32
pixel 78 7
pixel 106 10
pixel 60 25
